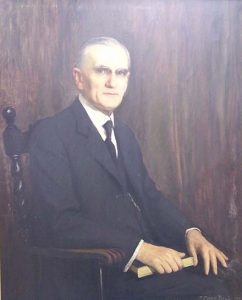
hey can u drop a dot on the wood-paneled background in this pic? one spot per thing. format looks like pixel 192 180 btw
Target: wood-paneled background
pixel 183 102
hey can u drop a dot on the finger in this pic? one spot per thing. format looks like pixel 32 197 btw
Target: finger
pixel 224 256
pixel 167 268
pixel 174 266
pixel 222 259
pixel 156 264
pixel 193 253
pixel 181 254
pixel 159 269
pixel 175 261
pixel 206 262
pixel 178 262
pixel 214 264
pixel 221 254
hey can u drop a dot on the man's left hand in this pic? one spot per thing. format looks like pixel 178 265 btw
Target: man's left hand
pixel 198 244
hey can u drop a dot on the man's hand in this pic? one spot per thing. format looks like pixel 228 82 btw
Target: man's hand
pixel 197 244
pixel 161 259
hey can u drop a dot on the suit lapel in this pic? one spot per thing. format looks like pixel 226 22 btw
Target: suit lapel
pixel 95 144
pixel 126 150
pixel 100 152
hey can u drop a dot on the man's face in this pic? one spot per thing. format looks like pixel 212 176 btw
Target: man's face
pixel 103 78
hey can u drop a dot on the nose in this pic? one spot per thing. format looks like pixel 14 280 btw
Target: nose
pixel 111 81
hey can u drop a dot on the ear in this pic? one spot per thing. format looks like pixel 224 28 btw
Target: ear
pixel 78 78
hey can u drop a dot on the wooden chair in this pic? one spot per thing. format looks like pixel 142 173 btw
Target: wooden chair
pixel 15 143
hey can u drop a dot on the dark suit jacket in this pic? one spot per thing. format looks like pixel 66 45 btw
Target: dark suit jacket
pixel 78 195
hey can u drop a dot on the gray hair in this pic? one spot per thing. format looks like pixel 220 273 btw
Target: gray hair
pixel 103 40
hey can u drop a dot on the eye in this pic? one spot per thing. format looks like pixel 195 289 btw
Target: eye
pixel 122 72
pixel 102 70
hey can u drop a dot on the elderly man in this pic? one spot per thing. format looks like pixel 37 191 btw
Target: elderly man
pixel 93 190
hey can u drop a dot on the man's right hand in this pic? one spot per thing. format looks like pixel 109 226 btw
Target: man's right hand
pixel 161 259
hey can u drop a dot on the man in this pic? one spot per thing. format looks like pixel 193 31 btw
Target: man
pixel 92 188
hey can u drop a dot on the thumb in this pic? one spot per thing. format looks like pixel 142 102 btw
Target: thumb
pixel 181 254
pixel 193 253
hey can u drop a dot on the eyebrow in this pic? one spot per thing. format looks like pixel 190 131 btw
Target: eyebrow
pixel 101 66
pixel 108 68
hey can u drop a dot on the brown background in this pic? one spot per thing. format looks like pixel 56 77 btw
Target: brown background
pixel 183 102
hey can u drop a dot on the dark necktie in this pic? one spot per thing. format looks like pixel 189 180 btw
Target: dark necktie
pixel 108 126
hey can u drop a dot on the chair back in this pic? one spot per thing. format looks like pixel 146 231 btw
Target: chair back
pixel 15 144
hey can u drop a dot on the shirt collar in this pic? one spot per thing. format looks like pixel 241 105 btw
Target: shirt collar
pixel 97 117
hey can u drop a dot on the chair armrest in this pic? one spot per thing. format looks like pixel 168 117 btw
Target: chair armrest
pixel 107 257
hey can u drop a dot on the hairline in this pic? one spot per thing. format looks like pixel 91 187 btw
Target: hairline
pixel 101 41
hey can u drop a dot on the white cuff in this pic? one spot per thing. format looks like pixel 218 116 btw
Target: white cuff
pixel 192 228
pixel 133 257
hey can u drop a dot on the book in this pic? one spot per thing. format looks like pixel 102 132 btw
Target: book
pixel 142 270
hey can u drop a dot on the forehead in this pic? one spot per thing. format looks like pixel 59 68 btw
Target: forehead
pixel 109 56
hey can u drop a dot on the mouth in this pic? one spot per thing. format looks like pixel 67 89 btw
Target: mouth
pixel 111 94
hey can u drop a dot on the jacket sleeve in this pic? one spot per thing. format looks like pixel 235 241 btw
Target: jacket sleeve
pixel 57 215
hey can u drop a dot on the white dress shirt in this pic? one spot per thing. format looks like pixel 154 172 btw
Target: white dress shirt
pixel 98 119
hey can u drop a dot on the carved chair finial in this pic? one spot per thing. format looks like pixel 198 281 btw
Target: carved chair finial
pixel 9 115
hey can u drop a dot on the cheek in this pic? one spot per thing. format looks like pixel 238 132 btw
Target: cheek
pixel 124 87
pixel 87 85
pixel 97 86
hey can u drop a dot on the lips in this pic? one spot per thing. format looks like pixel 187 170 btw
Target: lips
pixel 111 94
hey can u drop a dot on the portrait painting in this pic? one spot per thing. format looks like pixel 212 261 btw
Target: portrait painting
pixel 166 77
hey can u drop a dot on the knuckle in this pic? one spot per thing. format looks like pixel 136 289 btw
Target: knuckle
pixel 204 247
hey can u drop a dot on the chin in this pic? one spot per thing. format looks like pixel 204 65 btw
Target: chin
pixel 112 107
